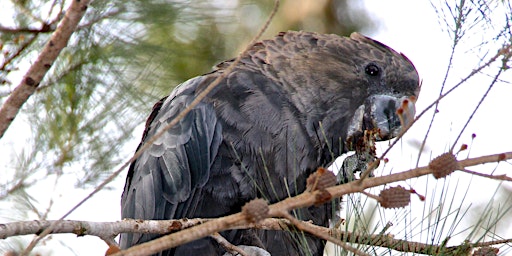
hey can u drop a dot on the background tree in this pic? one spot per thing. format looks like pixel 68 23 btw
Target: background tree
pixel 82 122
pixel 123 57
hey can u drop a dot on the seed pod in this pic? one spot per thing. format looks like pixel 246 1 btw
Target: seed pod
pixel 486 251
pixel 444 165
pixel 321 179
pixel 255 210
pixel 395 197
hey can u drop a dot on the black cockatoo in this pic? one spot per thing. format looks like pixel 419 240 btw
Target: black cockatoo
pixel 293 103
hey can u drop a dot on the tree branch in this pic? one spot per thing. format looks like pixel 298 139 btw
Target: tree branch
pixel 305 199
pixel 103 230
pixel 44 29
pixel 321 232
pixel 17 53
pixel 108 230
pixel 42 64
pixel 233 249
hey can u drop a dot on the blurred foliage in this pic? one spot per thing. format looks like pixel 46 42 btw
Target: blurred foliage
pixel 124 56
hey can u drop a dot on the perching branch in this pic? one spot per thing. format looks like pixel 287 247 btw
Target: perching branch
pixel 305 199
pixel 43 63
pixel 256 214
pixel 103 230
pixel 106 230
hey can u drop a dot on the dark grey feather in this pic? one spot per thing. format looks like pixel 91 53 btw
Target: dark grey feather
pixel 282 112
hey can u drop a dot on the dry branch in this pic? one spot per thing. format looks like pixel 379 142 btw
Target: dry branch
pixel 233 249
pixel 313 229
pixel 108 230
pixel 303 200
pixel 43 63
pixel 45 28
pixel 103 230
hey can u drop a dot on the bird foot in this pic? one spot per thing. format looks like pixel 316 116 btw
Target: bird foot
pixel 250 251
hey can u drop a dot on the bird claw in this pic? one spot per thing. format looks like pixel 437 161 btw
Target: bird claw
pixel 362 158
pixel 250 250
pixel 353 164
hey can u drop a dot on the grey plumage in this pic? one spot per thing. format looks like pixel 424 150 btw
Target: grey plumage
pixel 282 112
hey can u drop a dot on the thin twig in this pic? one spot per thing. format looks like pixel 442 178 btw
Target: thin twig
pixel 43 63
pixel 462 81
pixel 180 116
pixel 44 29
pixel 20 184
pixel 37 71
pixel 18 52
pixel 324 235
pixel 456 39
pixel 505 50
pixel 494 177
pixel 300 201
pixel 233 249
pixel 495 79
